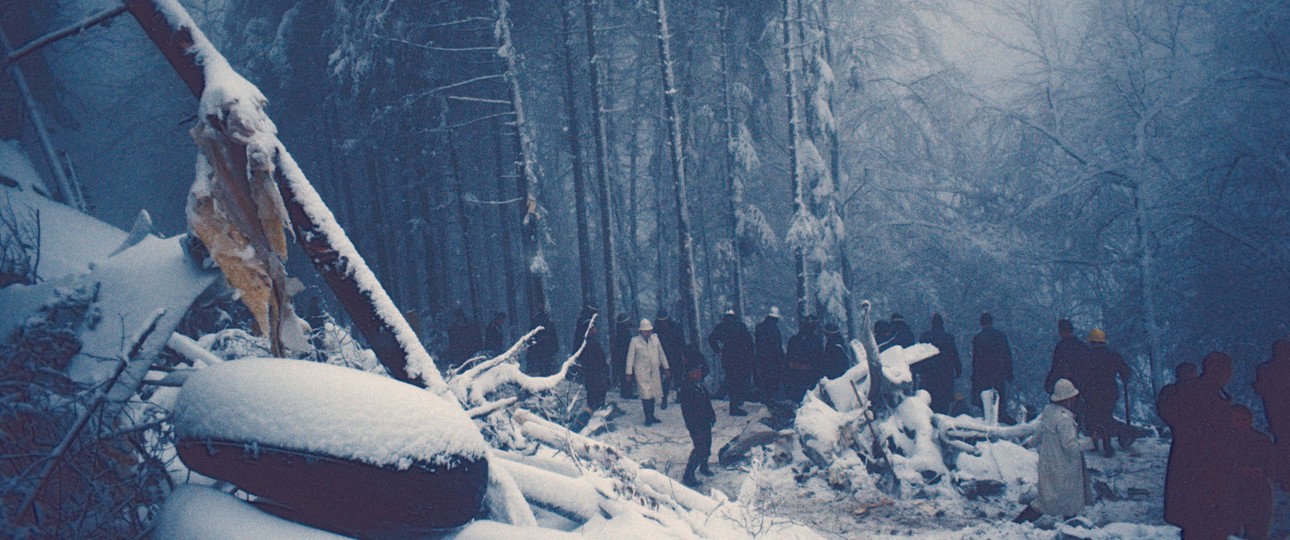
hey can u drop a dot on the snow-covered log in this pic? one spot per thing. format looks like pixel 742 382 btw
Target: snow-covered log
pixel 209 77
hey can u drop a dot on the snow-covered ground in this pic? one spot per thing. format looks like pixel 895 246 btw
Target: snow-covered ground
pixel 1133 509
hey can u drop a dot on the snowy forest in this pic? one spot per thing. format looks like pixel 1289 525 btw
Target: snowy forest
pixel 435 268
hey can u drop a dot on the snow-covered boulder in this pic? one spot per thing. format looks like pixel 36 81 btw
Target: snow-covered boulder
pixel 342 449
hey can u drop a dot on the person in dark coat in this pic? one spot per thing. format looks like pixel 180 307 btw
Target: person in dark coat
pixel 805 351
pixel 731 340
pixel 1201 474
pixel 1097 374
pixel 938 373
pixel 595 371
pixel 1183 372
pixel 541 354
pixel 835 360
pixel 768 352
pixel 1272 383
pixel 464 339
pixel 1256 459
pixel 580 329
pixel 672 337
pixel 882 335
pixel 1068 353
pixel 696 409
pixel 991 365
pixel 901 334
pixel 494 340
pixel 619 339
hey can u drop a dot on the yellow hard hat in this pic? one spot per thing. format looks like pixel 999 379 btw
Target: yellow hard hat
pixel 1096 335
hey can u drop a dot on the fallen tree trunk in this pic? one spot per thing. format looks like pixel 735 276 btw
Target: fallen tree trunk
pixel 198 64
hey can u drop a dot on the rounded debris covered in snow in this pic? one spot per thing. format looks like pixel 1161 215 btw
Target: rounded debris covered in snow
pixel 340 449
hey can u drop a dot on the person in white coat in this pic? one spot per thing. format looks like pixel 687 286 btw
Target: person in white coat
pixel 644 359
pixel 1064 488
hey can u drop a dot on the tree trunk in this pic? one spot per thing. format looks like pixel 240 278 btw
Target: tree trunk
pixel 608 248
pixel 1146 276
pixel 574 132
pixel 732 182
pixel 795 163
pixel 316 230
pixel 525 164
pixel 835 168
pixel 689 290
pixel 504 225
pixel 463 219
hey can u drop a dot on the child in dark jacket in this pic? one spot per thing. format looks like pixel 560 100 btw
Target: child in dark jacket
pixel 696 408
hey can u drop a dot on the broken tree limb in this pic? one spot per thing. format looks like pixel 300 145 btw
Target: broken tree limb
pixel 76 28
pixel 572 498
pixel 198 64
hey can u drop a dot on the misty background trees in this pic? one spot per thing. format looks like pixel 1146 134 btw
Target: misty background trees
pixel 1122 163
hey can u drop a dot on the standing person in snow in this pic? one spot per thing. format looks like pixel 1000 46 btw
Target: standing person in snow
pixel 647 366
pixel 1064 488
pixel 938 373
pixel 804 353
pixel 619 339
pixel 672 336
pixel 769 356
pixel 1202 468
pixel 464 339
pixel 696 409
pixel 1255 461
pixel 1272 383
pixel 494 340
pixel 1068 354
pixel 580 329
pixel 1097 376
pixel 1183 372
pixel 991 365
pixel 901 334
pixel 731 340
pixel 541 357
pixel 835 361
pixel 882 335
pixel 595 372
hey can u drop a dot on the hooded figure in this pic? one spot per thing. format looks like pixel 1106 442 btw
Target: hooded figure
pixel 991 364
pixel 938 373
pixel 595 372
pixel 836 361
pixel 464 338
pixel 731 340
pixel 494 340
pixel 805 352
pixel 1067 355
pixel 1064 488
pixel 645 361
pixel 768 352
pixel 1097 375
pixel 901 334
pixel 541 358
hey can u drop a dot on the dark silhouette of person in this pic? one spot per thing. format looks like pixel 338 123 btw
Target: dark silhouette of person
pixel 768 352
pixel 672 337
pixel 1272 383
pixel 1184 371
pixel 595 371
pixel 805 351
pixel 938 373
pixel 464 338
pixel 991 365
pixel 1201 475
pixel 1097 374
pixel 619 339
pixel 901 334
pixel 696 409
pixel 836 361
pixel 1255 461
pixel 731 340
pixel 494 336
pixel 541 354
pixel 882 334
pixel 1068 354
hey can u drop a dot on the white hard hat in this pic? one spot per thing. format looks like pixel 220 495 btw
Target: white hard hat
pixel 646 325
pixel 1063 391
pixel 774 311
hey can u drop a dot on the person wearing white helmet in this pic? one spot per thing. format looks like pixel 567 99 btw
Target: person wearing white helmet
pixel 644 359
pixel 1064 488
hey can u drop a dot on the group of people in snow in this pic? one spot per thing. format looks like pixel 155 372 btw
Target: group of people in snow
pixel 1221 469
